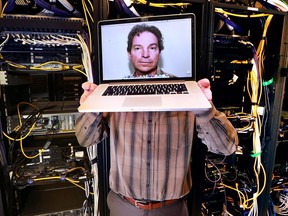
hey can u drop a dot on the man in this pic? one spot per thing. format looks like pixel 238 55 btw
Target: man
pixel 150 153
pixel 144 47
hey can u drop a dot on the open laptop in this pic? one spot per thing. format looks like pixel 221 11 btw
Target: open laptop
pixel 177 61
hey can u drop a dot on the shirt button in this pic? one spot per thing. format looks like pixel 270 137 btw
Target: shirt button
pixel 148 164
pixel 147 185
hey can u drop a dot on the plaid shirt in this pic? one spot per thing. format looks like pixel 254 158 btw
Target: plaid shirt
pixel 150 151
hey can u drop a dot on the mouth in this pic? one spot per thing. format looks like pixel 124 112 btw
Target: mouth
pixel 145 62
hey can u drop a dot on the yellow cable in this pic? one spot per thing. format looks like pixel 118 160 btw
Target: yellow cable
pixel 267 23
pixel 75 168
pixel 22 137
pixel 20 123
pixel 220 10
pixel 18 110
pixel 74 182
pixel 3 9
pixel 240 193
pixel 91 6
pixel 242 197
pixel 27 134
pixel 108 9
pixel 16 65
pixel 76 69
pixel 42 66
pixel 263 187
pixel 25 155
pixel 85 9
pixel 254 90
pixel 161 5
pixel 78 185
pixel 38 67
pixel 47 178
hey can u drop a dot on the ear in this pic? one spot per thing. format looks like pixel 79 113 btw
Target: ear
pixel 129 55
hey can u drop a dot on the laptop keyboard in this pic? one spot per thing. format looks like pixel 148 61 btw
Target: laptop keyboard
pixel 146 89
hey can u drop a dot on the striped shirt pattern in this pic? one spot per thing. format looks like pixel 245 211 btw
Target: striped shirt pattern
pixel 150 151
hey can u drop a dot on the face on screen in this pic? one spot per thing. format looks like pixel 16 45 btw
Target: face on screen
pixel 144 54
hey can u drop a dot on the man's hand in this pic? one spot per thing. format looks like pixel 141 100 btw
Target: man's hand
pixel 204 84
pixel 88 88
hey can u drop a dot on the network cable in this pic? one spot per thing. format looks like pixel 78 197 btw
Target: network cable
pixel 53 40
pixel 278 4
pixel 254 124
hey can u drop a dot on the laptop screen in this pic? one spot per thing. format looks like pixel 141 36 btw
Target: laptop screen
pixel 175 59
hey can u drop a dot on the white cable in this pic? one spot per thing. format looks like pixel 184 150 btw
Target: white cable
pixel 53 40
pixel 87 192
pixel 3 43
pixel 279 4
pixel 254 210
pixel 61 40
pixel 69 7
pixel 86 58
pixel 92 154
pixel 282 209
pixel 131 8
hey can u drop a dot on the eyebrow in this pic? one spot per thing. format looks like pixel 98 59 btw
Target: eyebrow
pixel 156 44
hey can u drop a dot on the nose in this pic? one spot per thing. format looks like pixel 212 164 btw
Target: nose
pixel 145 53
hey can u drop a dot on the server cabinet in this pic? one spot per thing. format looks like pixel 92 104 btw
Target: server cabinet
pixel 44 171
pixel 224 52
pixel 247 51
pixel 117 10
pixel 224 55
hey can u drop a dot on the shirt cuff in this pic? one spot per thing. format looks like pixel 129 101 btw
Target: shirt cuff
pixel 87 118
pixel 206 116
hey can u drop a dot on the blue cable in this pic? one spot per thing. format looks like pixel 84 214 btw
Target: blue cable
pixel 52 8
pixel 123 9
pixel 229 22
pixel 2 147
pixel 10 6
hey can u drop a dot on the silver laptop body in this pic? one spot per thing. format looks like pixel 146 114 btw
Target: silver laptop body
pixel 177 58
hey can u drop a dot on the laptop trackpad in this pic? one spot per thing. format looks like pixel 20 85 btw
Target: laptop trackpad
pixel 142 101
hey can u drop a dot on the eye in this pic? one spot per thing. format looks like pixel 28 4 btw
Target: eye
pixel 137 48
pixel 154 47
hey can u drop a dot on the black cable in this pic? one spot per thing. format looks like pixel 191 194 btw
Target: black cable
pixel 3 152
pixel 34 116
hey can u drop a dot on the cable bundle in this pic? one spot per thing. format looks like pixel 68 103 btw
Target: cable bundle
pixel 276 4
pixel 135 8
pixel 254 89
pixel 282 208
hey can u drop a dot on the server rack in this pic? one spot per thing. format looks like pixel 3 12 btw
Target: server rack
pixel 221 53
pixel 41 77
pixel 277 53
pixel 205 31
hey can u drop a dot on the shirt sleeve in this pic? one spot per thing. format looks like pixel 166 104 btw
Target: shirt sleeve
pixel 90 129
pixel 217 132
